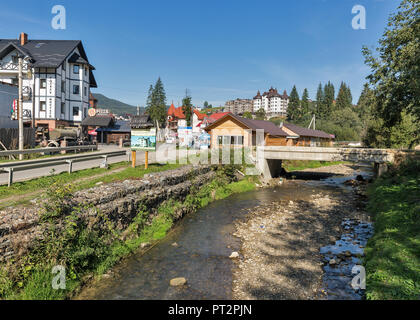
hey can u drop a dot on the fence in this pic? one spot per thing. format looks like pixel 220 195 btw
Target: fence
pixel 10 137
pixel 69 160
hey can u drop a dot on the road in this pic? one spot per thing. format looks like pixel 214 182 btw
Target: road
pixel 55 169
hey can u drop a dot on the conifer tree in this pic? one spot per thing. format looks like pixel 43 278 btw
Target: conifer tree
pixel 293 110
pixel 319 101
pixel 305 102
pixel 187 107
pixel 328 104
pixel 156 103
pixel 344 99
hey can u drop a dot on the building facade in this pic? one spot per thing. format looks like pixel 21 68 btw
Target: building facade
pixel 239 106
pixel 57 78
pixel 8 94
pixel 273 103
pixel 176 119
pixel 236 131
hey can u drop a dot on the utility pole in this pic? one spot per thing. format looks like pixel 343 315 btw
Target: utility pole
pixel 20 107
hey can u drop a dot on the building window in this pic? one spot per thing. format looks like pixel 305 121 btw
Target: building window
pixel 75 111
pixel 64 66
pixel 86 72
pixel 76 89
pixel 230 140
pixel 63 86
pixel 76 69
pixel 42 106
pixel 85 91
pixel 15 59
pixel 43 83
pixel 63 107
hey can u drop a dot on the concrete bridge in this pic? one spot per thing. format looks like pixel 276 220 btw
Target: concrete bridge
pixel 269 157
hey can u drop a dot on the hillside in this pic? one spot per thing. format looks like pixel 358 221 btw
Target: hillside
pixel 115 106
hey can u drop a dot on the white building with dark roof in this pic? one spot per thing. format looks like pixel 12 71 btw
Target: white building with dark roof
pixel 273 103
pixel 57 79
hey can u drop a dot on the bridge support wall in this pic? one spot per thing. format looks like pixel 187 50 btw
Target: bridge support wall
pixel 271 168
pixel 380 169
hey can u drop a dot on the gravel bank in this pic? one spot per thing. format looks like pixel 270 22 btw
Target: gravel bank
pixel 280 258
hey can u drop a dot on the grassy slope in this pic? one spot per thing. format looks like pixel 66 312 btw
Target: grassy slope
pixel 20 188
pixel 393 253
pixel 295 165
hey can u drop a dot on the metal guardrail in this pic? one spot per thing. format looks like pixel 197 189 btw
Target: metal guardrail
pixel 47 150
pixel 40 163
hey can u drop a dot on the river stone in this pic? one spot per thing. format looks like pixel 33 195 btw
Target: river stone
pixel 234 255
pixel 177 282
pixel 145 245
pixel 333 262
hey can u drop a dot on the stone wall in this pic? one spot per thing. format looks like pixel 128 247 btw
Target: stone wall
pixel 20 228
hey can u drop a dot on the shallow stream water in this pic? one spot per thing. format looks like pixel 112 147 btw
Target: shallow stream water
pixel 198 248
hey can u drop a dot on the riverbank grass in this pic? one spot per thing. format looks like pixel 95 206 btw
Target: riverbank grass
pixel 296 165
pixel 393 254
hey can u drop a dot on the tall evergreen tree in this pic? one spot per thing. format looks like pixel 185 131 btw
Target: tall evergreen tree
pixel 344 99
pixel 305 102
pixel 156 103
pixel 149 98
pixel 329 95
pixel 187 107
pixel 293 110
pixel 319 101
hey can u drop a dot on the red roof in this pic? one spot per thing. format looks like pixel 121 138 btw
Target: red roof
pixel 217 116
pixel 199 115
pixel 171 110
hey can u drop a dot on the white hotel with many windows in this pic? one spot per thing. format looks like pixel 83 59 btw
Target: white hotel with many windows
pixel 56 83
pixel 273 103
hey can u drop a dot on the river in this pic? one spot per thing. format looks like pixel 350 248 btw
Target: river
pixel 199 246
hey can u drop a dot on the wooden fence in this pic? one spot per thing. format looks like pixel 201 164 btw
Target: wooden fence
pixel 9 137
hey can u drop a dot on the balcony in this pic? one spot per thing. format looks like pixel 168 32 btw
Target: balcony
pixel 13 67
pixel 27 93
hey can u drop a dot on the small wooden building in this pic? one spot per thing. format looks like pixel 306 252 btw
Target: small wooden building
pixel 242 132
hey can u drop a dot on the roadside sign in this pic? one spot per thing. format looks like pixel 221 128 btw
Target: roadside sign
pixel 143 139
pixel 92 112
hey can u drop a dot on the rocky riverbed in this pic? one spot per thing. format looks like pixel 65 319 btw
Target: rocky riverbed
pixel 280 253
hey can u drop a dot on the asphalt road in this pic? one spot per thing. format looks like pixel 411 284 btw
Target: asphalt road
pixel 55 169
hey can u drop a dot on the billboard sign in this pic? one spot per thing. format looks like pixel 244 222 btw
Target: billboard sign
pixel 143 139
pixel 185 136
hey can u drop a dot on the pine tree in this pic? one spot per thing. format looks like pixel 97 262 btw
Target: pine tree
pixel 149 99
pixel 344 99
pixel 305 103
pixel 156 103
pixel 329 95
pixel 293 110
pixel 319 101
pixel 187 107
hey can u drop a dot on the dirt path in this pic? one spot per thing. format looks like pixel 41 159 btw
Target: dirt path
pixel 280 256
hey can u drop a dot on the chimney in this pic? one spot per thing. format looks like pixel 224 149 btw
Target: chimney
pixel 23 38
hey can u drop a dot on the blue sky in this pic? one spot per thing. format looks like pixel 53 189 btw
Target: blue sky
pixel 219 49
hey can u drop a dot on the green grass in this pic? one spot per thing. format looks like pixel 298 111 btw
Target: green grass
pixel 393 254
pixel 89 252
pixel 22 188
pixel 296 165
